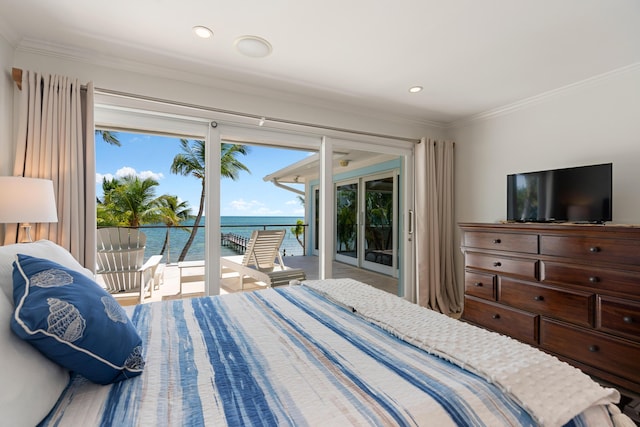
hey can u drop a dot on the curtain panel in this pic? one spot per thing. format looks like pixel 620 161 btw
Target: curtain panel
pixel 55 140
pixel 436 285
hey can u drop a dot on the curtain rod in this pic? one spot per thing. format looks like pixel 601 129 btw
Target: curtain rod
pixel 253 116
pixel 17 77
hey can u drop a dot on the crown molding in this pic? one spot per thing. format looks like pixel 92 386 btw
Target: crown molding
pixel 37 47
pixel 543 97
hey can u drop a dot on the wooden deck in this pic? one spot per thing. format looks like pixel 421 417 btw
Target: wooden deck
pixel 170 289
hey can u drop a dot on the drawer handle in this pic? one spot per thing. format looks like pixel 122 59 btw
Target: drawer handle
pixel 594 279
pixel 538 298
pixel 497 264
pixel 495 316
pixel 594 249
pixel 627 319
pixel 478 284
pixel 594 348
pixel 497 241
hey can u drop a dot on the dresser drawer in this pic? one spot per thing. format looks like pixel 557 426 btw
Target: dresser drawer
pixel 509 321
pixel 596 277
pixel 571 306
pixel 592 249
pixel 480 285
pixel 526 268
pixel 525 243
pixel 620 357
pixel 619 317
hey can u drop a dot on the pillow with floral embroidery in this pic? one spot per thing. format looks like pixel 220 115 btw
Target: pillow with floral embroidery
pixel 73 321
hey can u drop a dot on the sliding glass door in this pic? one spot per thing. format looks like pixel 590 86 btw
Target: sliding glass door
pixel 366 229
pixel 347 222
pixel 379 203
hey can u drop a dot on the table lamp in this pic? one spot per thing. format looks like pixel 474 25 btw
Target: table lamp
pixel 26 201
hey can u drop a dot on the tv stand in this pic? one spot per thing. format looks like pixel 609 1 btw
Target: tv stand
pixel 571 290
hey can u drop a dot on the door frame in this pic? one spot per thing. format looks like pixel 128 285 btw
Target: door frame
pixel 217 126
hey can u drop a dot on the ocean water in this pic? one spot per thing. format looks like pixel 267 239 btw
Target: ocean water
pixel 241 225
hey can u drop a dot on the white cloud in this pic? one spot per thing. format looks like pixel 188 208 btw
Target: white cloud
pixel 100 177
pixel 125 171
pixel 243 205
pixel 150 174
pixel 265 211
pixel 252 207
pixel 294 202
pixel 128 171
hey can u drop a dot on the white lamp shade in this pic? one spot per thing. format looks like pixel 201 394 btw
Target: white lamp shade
pixel 25 200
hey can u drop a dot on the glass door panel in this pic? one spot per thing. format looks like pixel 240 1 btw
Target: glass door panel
pixel 347 223
pixel 379 204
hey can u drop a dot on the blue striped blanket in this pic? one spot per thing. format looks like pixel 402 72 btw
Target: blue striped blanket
pixel 287 356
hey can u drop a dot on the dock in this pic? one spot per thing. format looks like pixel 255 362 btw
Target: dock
pixel 234 241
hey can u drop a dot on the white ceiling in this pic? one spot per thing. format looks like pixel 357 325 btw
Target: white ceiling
pixel 471 56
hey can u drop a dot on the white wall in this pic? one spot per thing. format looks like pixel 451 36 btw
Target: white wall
pixel 6 108
pixel 590 123
pixel 594 122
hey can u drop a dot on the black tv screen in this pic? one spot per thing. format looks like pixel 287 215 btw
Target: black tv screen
pixel 579 194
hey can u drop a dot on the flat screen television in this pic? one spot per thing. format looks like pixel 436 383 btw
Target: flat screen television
pixel 579 194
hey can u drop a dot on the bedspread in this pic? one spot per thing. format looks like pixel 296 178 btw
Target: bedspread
pixel 286 356
pixel 538 381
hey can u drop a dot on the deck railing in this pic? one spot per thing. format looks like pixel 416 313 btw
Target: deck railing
pixel 233 237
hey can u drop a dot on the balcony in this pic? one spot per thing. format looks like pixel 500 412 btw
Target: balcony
pixel 169 279
pixel 169 288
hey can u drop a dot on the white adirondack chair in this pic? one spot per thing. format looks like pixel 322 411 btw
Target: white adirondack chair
pixel 121 262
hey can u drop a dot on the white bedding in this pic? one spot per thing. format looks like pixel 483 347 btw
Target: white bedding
pixel 538 381
pixel 289 356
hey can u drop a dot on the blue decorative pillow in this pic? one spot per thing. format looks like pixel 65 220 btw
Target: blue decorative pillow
pixel 73 321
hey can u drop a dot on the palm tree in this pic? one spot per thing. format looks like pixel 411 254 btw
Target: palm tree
pixel 173 212
pixel 109 137
pixel 298 230
pixel 230 166
pixel 191 162
pixel 132 200
pixel 106 217
pixel 108 185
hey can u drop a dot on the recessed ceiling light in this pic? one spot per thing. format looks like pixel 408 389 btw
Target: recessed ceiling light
pixel 253 46
pixel 202 32
pixel 415 89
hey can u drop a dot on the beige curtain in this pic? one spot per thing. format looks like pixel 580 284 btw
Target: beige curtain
pixel 436 285
pixel 55 141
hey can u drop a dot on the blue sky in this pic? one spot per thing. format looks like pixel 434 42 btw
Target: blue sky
pixel 151 156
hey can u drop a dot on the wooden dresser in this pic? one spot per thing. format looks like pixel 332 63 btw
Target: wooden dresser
pixel 571 290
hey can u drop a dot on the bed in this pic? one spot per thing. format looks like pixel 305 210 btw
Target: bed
pixel 331 352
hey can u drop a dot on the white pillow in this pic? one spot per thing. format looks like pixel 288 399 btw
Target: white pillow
pixel 31 383
pixel 40 249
